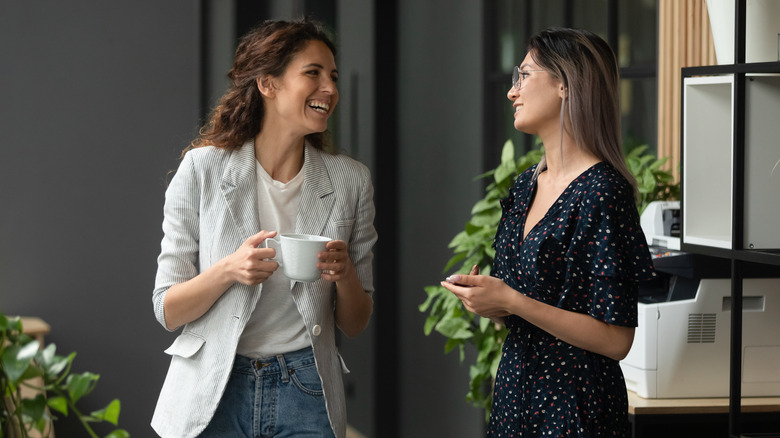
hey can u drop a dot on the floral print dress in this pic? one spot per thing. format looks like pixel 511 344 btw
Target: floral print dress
pixel 586 255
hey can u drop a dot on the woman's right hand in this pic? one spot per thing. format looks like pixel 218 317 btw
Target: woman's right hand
pixel 188 301
pixel 249 265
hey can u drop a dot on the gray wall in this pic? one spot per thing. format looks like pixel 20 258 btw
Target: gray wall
pixel 439 138
pixel 96 101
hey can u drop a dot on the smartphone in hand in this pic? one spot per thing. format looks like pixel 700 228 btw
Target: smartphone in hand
pixel 474 271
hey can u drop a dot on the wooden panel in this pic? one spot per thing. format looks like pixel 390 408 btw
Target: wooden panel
pixel 662 406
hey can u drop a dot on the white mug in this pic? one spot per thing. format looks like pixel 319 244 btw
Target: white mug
pixel 297 255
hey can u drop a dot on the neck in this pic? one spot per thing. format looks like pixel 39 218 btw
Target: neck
pixel 280 155
pixel 565 158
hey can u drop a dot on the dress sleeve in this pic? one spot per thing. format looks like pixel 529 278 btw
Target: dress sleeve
pixel 608 240
pixel 608 254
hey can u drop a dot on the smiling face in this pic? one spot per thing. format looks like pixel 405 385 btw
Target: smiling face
pixel 304 97
pixel 537 101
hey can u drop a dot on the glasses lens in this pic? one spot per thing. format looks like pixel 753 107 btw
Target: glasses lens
pixel 515 76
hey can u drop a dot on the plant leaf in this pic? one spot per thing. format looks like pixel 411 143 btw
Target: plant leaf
pixel 59 404
pixel 484 204
pixel 34 407
pixel 430 323
pixel 508 151
pixel 46 356
pixel 79 385
pixel 110 413
pixel 16 359
pixel 454 260
pixel 454 328
pixel 32 371
pixel 484 323
pixel 504 172
pixel 451 344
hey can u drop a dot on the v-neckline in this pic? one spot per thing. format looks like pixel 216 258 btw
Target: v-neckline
pixel 555 203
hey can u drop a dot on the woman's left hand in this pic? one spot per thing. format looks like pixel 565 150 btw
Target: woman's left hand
pixel 481 294
pixel 335 263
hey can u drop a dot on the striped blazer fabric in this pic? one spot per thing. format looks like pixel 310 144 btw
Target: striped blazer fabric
pixel 210 209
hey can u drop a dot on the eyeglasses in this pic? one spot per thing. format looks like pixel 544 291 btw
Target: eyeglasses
pixel 518 76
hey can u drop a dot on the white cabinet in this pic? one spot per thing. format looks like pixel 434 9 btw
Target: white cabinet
pixel 762 162
pixel 708 162
pixel 730 204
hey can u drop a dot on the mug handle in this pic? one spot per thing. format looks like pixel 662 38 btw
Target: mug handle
pixel 274 243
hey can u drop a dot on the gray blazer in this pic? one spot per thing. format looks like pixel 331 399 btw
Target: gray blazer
pixel 210 210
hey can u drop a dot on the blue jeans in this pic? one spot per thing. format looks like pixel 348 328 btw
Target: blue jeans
pixel 279 396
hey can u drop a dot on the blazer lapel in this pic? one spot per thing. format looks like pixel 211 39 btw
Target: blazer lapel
pixel 317 197
pixel 239 189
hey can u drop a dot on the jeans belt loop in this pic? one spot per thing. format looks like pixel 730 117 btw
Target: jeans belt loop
pixel 283 368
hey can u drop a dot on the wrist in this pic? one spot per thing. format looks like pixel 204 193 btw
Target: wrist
pixel 221 273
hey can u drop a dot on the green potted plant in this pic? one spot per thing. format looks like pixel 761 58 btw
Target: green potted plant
pixel 55 388
pixel 474 246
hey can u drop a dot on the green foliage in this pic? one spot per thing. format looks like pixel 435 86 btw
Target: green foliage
pixel 474 246
pixel 653 183
pixel 24 364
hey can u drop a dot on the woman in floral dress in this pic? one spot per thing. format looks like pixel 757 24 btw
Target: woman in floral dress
pixel 569 251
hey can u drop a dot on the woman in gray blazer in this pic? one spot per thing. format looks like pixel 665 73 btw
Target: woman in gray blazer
pixel 257 353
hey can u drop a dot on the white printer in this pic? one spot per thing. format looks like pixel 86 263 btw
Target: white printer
pixel 681 346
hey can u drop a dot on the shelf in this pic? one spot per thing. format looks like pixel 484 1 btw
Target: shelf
pixel 708 167
pixel 707 161
pixel 756 67
pixel 762 162
pixel 730 120
pixel 759 256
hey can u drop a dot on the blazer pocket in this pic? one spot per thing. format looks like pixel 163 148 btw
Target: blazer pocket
pixel 343 228
pixel 344 222
pixel 186 345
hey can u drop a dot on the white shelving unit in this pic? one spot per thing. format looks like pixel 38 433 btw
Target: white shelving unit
pixel 762 162
pixel 707 156
pixel 730 172
pixel 708 124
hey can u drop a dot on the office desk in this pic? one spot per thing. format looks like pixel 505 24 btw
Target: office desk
pixel 699 417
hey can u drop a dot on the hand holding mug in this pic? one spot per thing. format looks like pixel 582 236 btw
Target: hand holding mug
pixel 249 264
pixel 298 255
pixel 335 262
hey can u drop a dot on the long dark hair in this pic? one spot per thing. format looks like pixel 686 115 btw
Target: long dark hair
pixel 589 71
pixel 265 50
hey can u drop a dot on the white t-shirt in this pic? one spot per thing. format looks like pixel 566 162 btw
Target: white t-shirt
pixel 275 326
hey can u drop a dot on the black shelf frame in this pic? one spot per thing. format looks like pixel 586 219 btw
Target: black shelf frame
pixel 740 258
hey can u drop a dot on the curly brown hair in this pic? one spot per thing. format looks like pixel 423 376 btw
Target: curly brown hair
pixel 265 50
